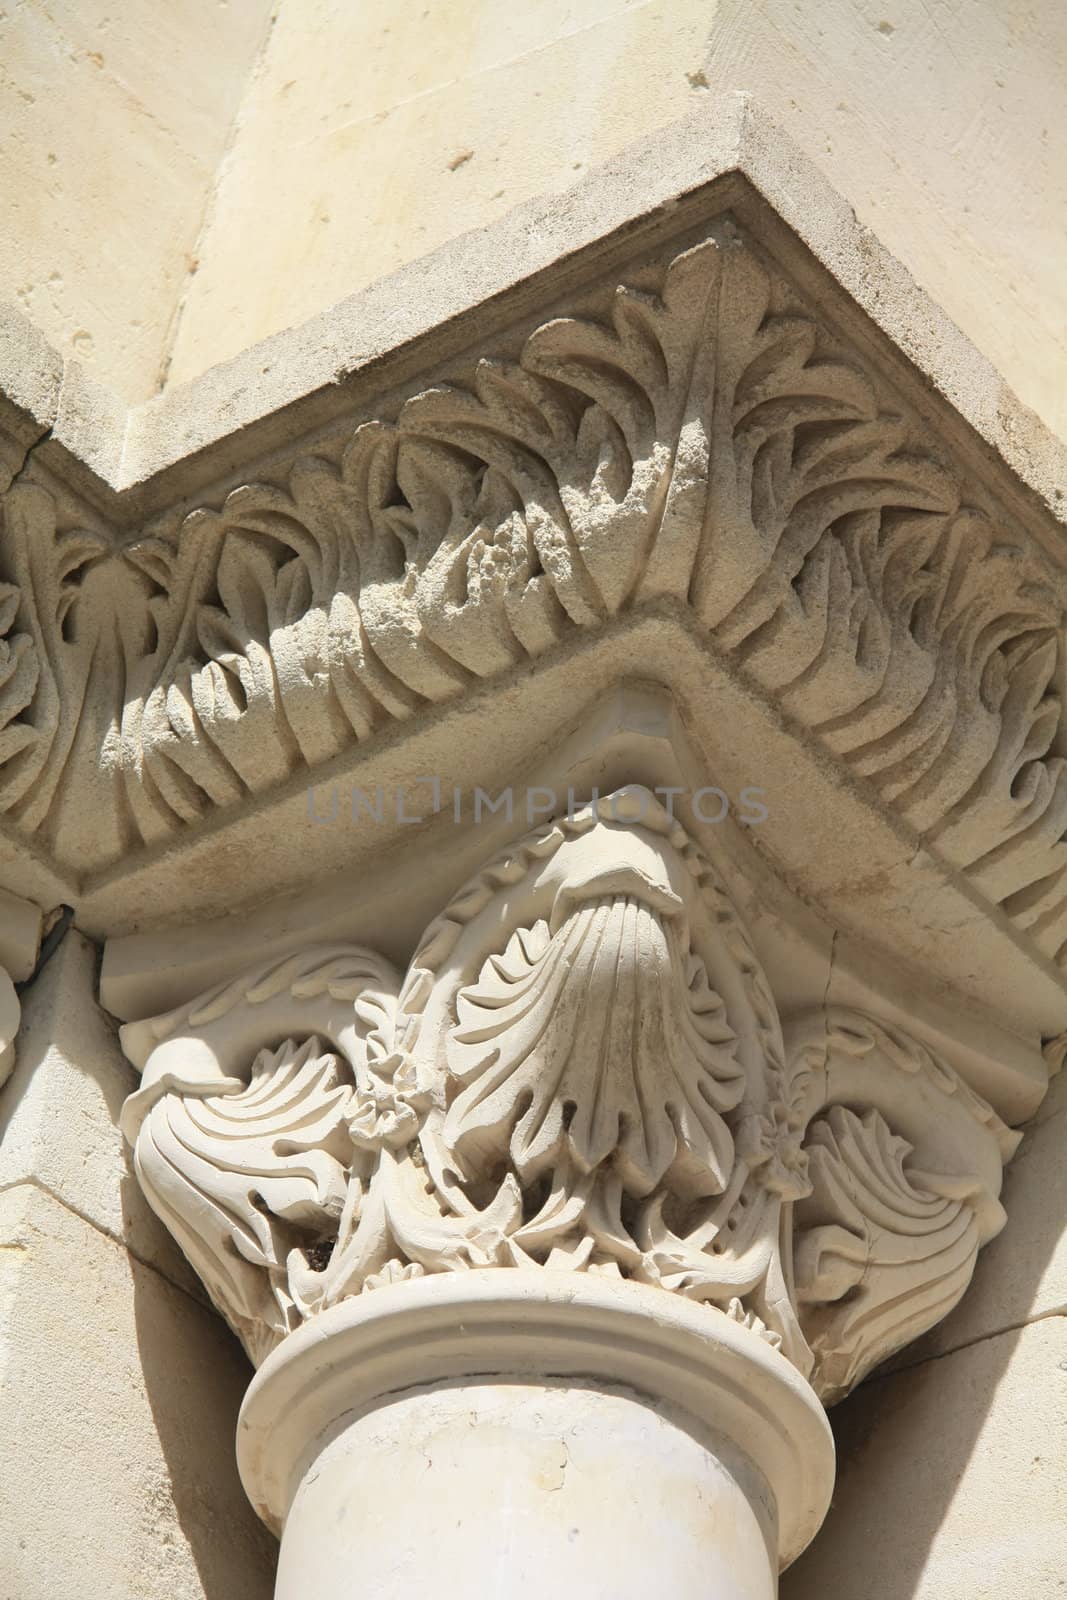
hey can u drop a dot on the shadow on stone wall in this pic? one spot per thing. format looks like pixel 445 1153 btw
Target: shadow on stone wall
pixel 125 1385
pixel 195 1375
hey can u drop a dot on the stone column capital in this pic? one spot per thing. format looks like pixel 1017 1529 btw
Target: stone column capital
pixel 584 1069
pixel 575 1142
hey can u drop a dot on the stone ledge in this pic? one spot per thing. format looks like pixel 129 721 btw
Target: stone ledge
pixel 313 365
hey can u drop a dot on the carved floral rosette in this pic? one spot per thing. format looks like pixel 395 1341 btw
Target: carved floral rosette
pixel 583 1070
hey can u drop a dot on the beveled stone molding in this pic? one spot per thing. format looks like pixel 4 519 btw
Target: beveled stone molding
pixel 548 493
pixel 704 443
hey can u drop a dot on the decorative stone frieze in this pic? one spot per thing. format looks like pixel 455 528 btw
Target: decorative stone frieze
pixel 698 441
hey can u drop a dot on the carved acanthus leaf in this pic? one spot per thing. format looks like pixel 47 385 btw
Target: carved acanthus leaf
pixel 241 1125
pixel 241 1178
pixel 566 1034
pixel 881 1252
pixel 902 1194
pixel 46 651
pixel 584 1071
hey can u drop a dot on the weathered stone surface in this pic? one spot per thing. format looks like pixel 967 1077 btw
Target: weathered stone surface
pixel 950 1479
pixel 115 123
pixel 59 1113
pixel 940 131
pixel 673 483
pixel 567 1481
pixel 119 1399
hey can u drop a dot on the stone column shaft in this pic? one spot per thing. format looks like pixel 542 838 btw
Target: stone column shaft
pixel 513 1431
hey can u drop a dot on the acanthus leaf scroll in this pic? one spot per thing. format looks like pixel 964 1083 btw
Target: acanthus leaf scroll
pixel 240 1128
pixel 583 1070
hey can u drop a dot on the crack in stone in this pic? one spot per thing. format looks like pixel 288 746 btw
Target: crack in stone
pixel 59 921
pixel 968 1344
pixel 27 461
pixel 33 1182
pixel 829 972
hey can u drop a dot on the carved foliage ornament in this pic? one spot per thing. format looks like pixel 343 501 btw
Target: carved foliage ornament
pixel 702 443
pixel 583 1070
